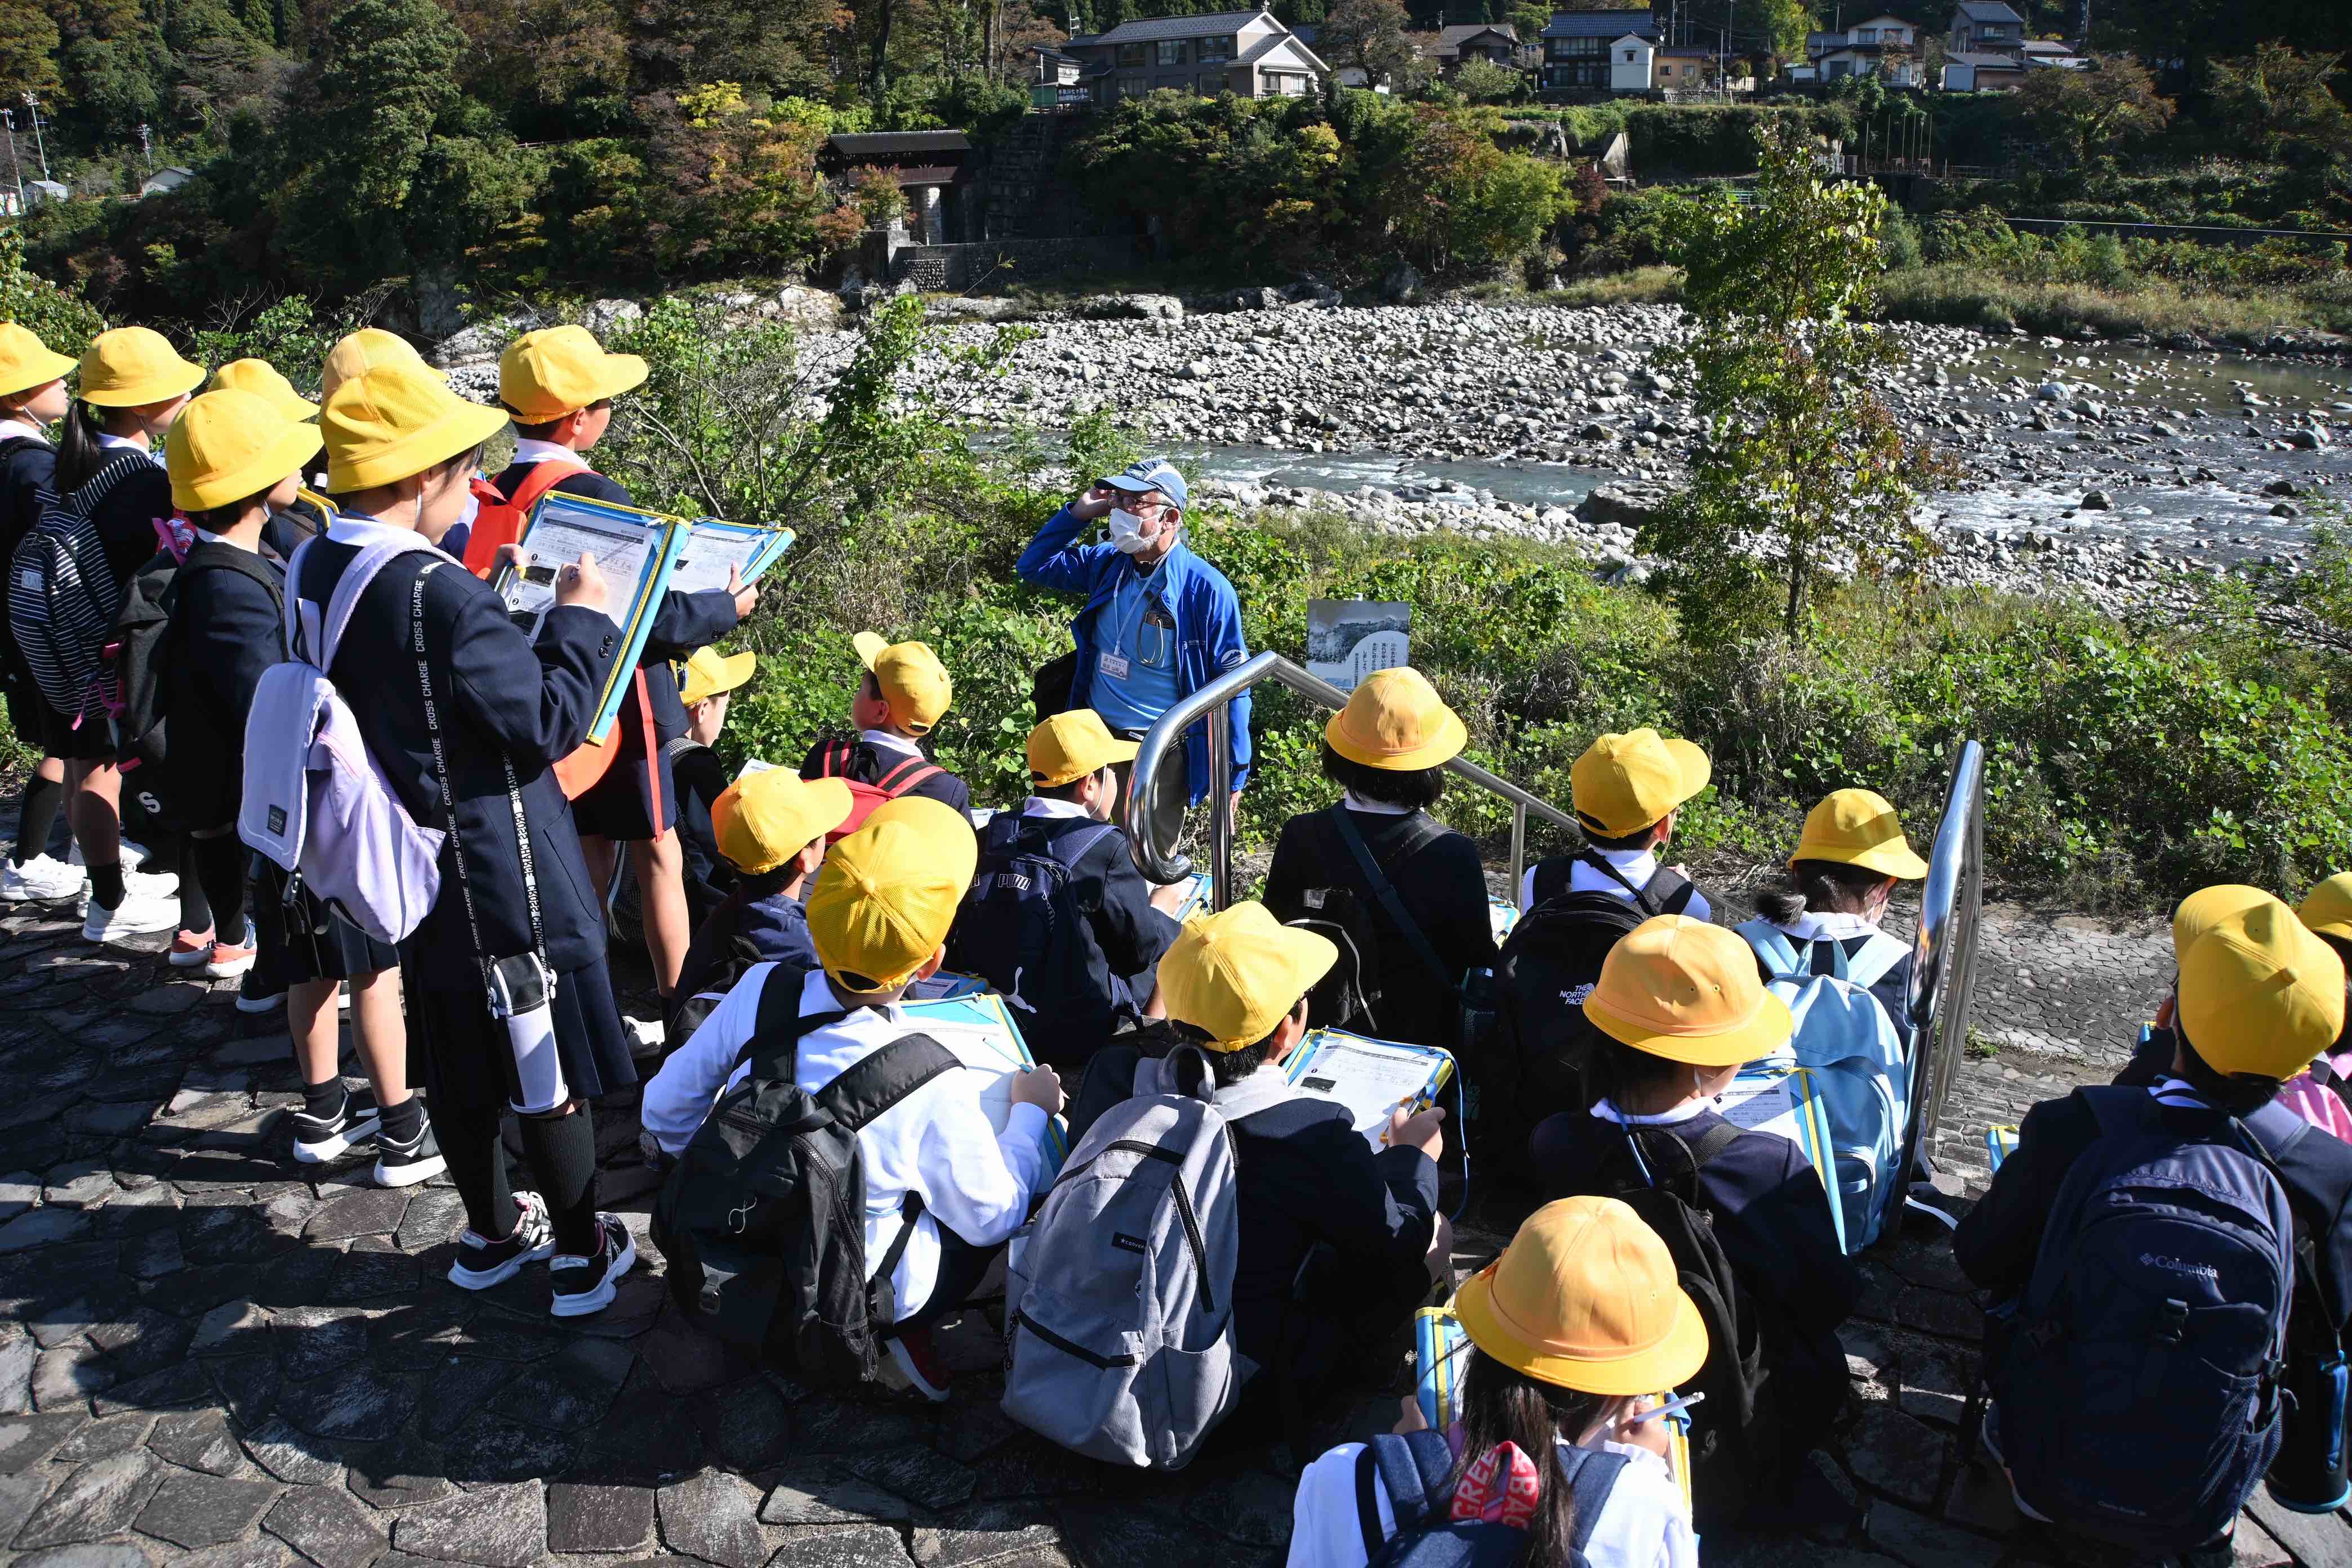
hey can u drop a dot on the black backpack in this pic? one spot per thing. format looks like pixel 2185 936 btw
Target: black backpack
pixel 141 657
pixel 1734 1455
pixel 764 1219
pixel 1023 930
pixel 1550 963
pixel 1348 995
pixel 62 597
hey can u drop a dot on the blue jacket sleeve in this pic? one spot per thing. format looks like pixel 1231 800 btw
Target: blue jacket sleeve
pixel 534 699
pixel 688 621
pixel 1228 651
pixel 1056 559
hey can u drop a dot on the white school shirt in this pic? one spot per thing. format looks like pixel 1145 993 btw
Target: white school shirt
pixel 107 443
pixel 529 451
pixel 12 428
pixel 1637 865
pixel 885 740
pixel 1833 925
pixel 1643 1524
pixel 1038 806
pixel 937 1141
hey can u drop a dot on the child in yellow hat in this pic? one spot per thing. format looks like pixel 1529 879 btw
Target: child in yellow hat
pixel 1627 790
pixel 904 693
pixel 707 684
pixel 33 397
pixel 1842 876
pixel 1386 750
pixel 1572 1332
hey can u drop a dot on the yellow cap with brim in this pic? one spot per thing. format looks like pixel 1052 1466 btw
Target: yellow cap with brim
pixel 26 362
pixel 709 672
pixel 228 444
pixel 1395 721
pixel 763 821
pixel 912 680
pixel 2328 910
pixel 546 374
pixel 1586 1297
pixel 396 421
pixel 260 377
pixel 2260 994
pixel 1689 992
pixel 886 895
pixel 370 348
pixel 2206 908
pixel 1071 744
pixel 1623 784
pixel 1237 974
pixel 1857 827
pixel 131 367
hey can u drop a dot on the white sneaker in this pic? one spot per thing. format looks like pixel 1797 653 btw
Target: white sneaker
pixel 133 855
pixel 42 879
pixel 150 884
pixel 135 916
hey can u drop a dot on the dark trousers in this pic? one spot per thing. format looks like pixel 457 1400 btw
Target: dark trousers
pixel 963 1266
pixel 1175 786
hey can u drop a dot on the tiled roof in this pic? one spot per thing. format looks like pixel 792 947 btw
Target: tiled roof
pixel 1159 29
pixel 1600 25
pixel 1989 11
pixel 1265 47
pixel 873 144
pixel 1989 62
pixel 1455 34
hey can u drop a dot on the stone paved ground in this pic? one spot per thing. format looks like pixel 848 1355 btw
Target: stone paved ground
pixel 211 1356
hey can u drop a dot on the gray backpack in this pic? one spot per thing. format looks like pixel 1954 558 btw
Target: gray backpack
pixel 1120 1296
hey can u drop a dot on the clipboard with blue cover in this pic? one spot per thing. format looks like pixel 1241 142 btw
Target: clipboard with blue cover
pixel 630 604
pixel 979 1028
pixel 1773 1096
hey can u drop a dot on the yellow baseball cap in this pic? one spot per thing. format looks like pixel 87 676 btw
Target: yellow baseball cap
pixel 911 678
pixel 26 362
pixel 131 367
pixel 2328 910
pixel 1689 992
pixel 228 444
pixel 763 821
pixel 1239 973
pixel 370 348
pixel 1071 744
pixel 1586 1297
pixel 1857 827
pixel 1623 784
pixel 2259 994
pixel 1395 720
pixel 396 420
pixel 260 377
pixel 886 895
pixel 2206 908
pixel 556 370
pixel 709 672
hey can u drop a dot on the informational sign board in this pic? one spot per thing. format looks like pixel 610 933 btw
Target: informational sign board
pixel 1348 639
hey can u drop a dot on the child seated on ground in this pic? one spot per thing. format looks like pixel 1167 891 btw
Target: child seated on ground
pixel 904 691
pixel 1339 1243
pixel 705 688
pixel 878 917
pixel 1847 861
pixel 1571 1331
pixel 1626 790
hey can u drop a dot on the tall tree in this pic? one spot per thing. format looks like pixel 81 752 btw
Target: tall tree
pixel 1370 35
pixel 28 49
pixel 2280 98
pixel 2088 112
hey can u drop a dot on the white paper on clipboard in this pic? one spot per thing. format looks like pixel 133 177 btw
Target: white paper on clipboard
pixel 556 538
pixel 976 1029
pixel 1370 1078
pixel 708 555
pixel 752 765
pixel 1761 1103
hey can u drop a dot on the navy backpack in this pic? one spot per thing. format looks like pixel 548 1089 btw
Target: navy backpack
pixel 1417 1471
pixel 1021 930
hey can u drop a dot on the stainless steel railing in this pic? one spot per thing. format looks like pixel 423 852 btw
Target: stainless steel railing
pixel 1943 963
pixel 1160 863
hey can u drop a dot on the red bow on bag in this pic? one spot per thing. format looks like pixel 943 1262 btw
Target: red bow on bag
pixel 1500 1488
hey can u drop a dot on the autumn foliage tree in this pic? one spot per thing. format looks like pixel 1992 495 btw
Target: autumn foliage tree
pixel 2088 112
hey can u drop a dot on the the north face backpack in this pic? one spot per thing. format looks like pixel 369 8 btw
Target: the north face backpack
pixel 1021 930
pixel 2139 1383
pixel 1860 1076
pixel 315 801
pixel 62 597
pixel 141 654
pixel 895 781
pixel 1416 1470
pixel 763 1218
pixel 1118 1298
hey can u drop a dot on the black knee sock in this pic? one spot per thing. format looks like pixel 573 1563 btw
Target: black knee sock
pixel 562 1153
pixel 401 1121
pixel 106 885
pixel 478 1164
pixel 36 816
pixel 196 910
pixel 219 865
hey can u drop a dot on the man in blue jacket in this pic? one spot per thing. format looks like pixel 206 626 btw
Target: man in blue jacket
pixel 1159 624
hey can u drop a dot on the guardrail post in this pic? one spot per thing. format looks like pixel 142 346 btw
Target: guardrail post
pixel 1221 792
pixel 1518 845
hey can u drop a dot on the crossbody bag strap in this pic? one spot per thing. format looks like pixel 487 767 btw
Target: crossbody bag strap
pixel 1387 896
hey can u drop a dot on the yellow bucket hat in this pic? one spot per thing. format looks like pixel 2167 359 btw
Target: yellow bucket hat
pixel 760 822
pixel 886 895
pixel 2328 910
pixel 131 367
pixel 1239 973
pixel 26 362
pixel 1586 1297
pixel 2206 908
pixel 911 678
pixel 1857 827
pixel 1623 784
pixel 548 373
pixel 1071 744
pixel 1689 992
pixel 228 444
pixel 709 672
pixel 1396 721
pixel 395 421
pixel 370 348
pixel 2259 994
pixel 260 377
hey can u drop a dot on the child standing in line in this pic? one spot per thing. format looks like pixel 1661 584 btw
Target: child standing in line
pixel 904 691
pixel 1626 790
pixel 33 396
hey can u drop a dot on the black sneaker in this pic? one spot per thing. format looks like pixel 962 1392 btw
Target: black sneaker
pixel 585 1285
pixel 406 1164
pixel 318 1140
pixel 481 1263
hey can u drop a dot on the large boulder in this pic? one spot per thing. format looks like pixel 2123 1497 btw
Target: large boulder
pixel 1131 307
pixel 1256 299
pixel 483 340
pixel 811 310
pixel 606 317
pixel 1401 285
pixel 1629 506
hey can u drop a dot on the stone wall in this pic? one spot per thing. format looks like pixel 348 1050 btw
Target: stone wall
pixel 994 264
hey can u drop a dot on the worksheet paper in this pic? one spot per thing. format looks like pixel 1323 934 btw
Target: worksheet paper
pixel 1370 1078
pixel 984 1036
pixel 712 547
pixel 621 551
pixel 1761 1103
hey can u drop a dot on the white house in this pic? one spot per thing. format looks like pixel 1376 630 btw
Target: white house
pixel 40 191
pixel 1884 46
pixel 166 179
pixel 1631 60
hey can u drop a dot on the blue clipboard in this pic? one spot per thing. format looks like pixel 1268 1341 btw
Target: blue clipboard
pixel 1320 1067
pixel 2000 1142
pixel 1776 1097
pixel 979 1027
pixel 632 603
pixel 1198 897
pixel 1502 915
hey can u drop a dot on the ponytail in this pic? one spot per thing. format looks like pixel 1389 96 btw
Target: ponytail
pixel 1500 1405
pixel 1824 886
pixel 81 453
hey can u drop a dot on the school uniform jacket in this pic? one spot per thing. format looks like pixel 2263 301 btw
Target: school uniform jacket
pixel 870 761
pixel 226 628
pixel 501 695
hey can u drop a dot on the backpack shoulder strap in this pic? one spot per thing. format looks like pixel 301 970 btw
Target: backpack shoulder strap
pixel 2119 1111
pixel 908 773
pixel 1670 890
pixel 1877 959
pixel 884 1078
pixel 1594 858
pixel 94 489
pixel 1073 847
pixel 229 558
pixel 2268 1137
pixel 779 1007
pixel 1377 881
pixel 832 761
pixel 1591 1475
pixel 1413 1469
pixel 1772 945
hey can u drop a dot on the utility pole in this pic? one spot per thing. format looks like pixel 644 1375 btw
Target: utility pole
pixel 39 145
pixel 14 167
pixel 146 147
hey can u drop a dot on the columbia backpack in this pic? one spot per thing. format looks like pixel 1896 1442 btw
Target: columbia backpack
pixel 763 1217
pixel 2138 1381
pixel 62 597
pixel 1416 1470
pixel 1119 1297
pixel 1021 930
pixel 895 781
pixel 143 654
pixel 1857 1060
pixel 315 801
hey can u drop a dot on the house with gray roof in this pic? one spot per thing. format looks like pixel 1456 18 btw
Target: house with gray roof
pixel 1987 27
pixel 1576 50
pixel 1247 53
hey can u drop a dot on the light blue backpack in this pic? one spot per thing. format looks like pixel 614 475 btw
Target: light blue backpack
pixel 1856 1057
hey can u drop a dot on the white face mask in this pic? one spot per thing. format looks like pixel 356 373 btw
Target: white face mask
pixel 1127 535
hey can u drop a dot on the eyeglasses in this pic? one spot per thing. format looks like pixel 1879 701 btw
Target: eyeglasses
pixel 1148 502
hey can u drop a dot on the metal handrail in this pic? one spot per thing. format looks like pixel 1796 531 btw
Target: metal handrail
pixel 1943 964
pixel 1164 864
